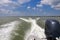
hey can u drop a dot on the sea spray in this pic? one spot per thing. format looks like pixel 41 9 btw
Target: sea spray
pixel 36 32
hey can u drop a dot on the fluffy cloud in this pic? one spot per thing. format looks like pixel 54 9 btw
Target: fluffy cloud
pixel 11 1
pixel 57 7
pixel 4 1
pixel 7 12
pixel 53 3
pixel 7 6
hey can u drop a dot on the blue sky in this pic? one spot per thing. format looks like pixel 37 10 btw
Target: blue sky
pixel 29 7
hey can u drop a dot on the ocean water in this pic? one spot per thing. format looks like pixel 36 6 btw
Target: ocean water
pixel 23 29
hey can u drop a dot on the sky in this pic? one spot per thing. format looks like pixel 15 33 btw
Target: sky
pixel 29 7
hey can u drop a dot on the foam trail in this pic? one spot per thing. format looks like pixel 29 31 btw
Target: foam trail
pixel 25 19
pixel 6 30
pixel 35 31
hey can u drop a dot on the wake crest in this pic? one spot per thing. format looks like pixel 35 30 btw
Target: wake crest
pixel 36 32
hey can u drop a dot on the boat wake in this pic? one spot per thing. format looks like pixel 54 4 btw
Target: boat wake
pixel 6 30
pixel 36 32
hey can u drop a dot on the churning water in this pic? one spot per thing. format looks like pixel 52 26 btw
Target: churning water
pixel 6 30
pixel 34 33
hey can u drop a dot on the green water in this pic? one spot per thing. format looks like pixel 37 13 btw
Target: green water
pixel 22 26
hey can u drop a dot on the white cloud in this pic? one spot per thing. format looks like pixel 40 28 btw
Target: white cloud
pixel 4 1
pixel 57 7
pixel 28 7
pixel 39 5
pixel 23 1
pixel 7 6
pixel 10 1
pixel 6 12
pixel 33 8
pixel 53 3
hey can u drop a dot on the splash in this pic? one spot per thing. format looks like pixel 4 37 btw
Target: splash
pixel 36 32
pixel 6 30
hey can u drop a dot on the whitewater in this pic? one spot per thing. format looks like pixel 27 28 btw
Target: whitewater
pixel 6 30
pixel 36 32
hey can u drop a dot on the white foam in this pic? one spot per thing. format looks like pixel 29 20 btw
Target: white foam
pixel 35 32
pixel 5 32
